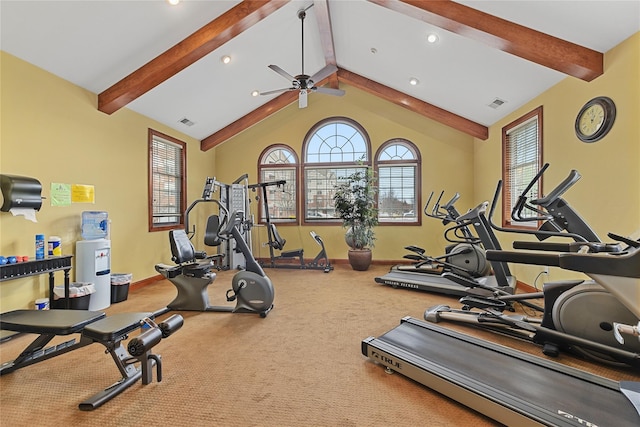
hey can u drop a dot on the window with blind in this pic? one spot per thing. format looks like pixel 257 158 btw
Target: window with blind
pixel 398 172
pixel 521 160
pixel 333 149
pixel 167 182
pixel 279 163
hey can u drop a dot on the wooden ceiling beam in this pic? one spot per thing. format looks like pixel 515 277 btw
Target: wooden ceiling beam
pixel 413 104
pixel 326 37
pixel 532 45
pixel 196 46
pixel 248 120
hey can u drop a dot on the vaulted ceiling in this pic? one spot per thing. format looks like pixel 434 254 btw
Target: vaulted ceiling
pixel 164 62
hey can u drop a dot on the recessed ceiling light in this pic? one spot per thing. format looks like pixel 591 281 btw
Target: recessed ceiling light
pixel 173 2
pixel 225 59
pixel 374 50
pixel 255 93
pixel 432 38
pixel 413 81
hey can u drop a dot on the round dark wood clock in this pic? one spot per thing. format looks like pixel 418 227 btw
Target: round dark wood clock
pixel 595 119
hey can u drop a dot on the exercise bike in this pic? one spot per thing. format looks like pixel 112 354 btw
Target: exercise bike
pixel 251 289
pixel 578 316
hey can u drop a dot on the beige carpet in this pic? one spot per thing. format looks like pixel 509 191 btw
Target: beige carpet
pixel 300 366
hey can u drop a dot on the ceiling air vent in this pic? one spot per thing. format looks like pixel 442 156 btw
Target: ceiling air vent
pixel 186 122
pixel 497 103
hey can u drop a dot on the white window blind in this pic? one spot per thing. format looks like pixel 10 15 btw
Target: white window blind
pixel 398 198
pixel 335 149
pixel 521 163
pixel 167 176
pixel 280 164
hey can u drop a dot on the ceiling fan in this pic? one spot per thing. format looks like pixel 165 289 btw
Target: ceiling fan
pixel 303 82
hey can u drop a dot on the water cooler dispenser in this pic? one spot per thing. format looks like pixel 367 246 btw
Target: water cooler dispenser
pixel 93 258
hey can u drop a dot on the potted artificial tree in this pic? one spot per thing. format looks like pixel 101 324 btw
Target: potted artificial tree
pixel 354 201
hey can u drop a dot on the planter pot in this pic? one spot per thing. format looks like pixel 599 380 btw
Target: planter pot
pixel 360 259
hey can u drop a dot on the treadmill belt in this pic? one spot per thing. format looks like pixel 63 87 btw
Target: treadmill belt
pixel 513 387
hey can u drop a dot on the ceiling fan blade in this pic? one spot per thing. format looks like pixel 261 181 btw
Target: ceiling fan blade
pixel 269 92
pixel 282 72
pixel 302 99
pixel 324 73
pixel 329 91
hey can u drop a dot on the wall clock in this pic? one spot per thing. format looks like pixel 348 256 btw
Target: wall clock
pixel 595 119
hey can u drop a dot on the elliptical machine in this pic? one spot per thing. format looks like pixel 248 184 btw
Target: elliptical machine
pixel 251 289
pixel 464 255
pixel 578 316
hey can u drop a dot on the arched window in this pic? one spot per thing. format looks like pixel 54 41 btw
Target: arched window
pixel 398 171
pixel 279 163
pixel 332 149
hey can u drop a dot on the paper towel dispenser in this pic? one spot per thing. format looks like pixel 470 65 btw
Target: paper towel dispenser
pixel 20 192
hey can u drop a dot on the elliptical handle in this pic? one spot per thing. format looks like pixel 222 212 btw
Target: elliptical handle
pixel 425 210
pixel 494 202
pixel 434 212
pixel 560 189
pixel 516 212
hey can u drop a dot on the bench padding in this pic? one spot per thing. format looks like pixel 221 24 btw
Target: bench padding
pixel 58 322
pixel 112 328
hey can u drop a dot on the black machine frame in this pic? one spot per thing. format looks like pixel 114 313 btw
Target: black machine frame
pixel 275 242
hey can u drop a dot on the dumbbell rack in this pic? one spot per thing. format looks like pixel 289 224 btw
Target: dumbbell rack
pixel 41 266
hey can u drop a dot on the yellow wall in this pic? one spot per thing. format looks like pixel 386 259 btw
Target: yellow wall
pixel 52 131
pixel 447 164
pixel 608 195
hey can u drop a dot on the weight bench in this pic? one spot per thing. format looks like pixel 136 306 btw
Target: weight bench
pixel 94 327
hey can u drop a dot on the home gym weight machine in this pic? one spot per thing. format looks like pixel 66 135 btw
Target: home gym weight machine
pixel 276 242
pixel 234 198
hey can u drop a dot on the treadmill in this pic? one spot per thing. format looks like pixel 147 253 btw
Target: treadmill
pixel 513 387
pixel 450 283
pixel 509 386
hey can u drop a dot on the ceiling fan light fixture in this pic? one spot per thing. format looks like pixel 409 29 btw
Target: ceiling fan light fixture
pixel 225 59
pixel 304 83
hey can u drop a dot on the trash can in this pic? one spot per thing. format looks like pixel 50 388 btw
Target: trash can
pixel 79 296
pixel 120 287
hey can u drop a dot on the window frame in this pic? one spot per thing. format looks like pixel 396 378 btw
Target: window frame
pixel 305 165
pixel 152 134
pixel 508 186
pixel 416 163
pixel 296 168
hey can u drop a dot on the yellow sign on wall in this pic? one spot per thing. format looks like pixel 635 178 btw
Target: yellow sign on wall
pixel 81 193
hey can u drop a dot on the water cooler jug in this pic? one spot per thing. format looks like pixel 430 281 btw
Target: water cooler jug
pixel 93 258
